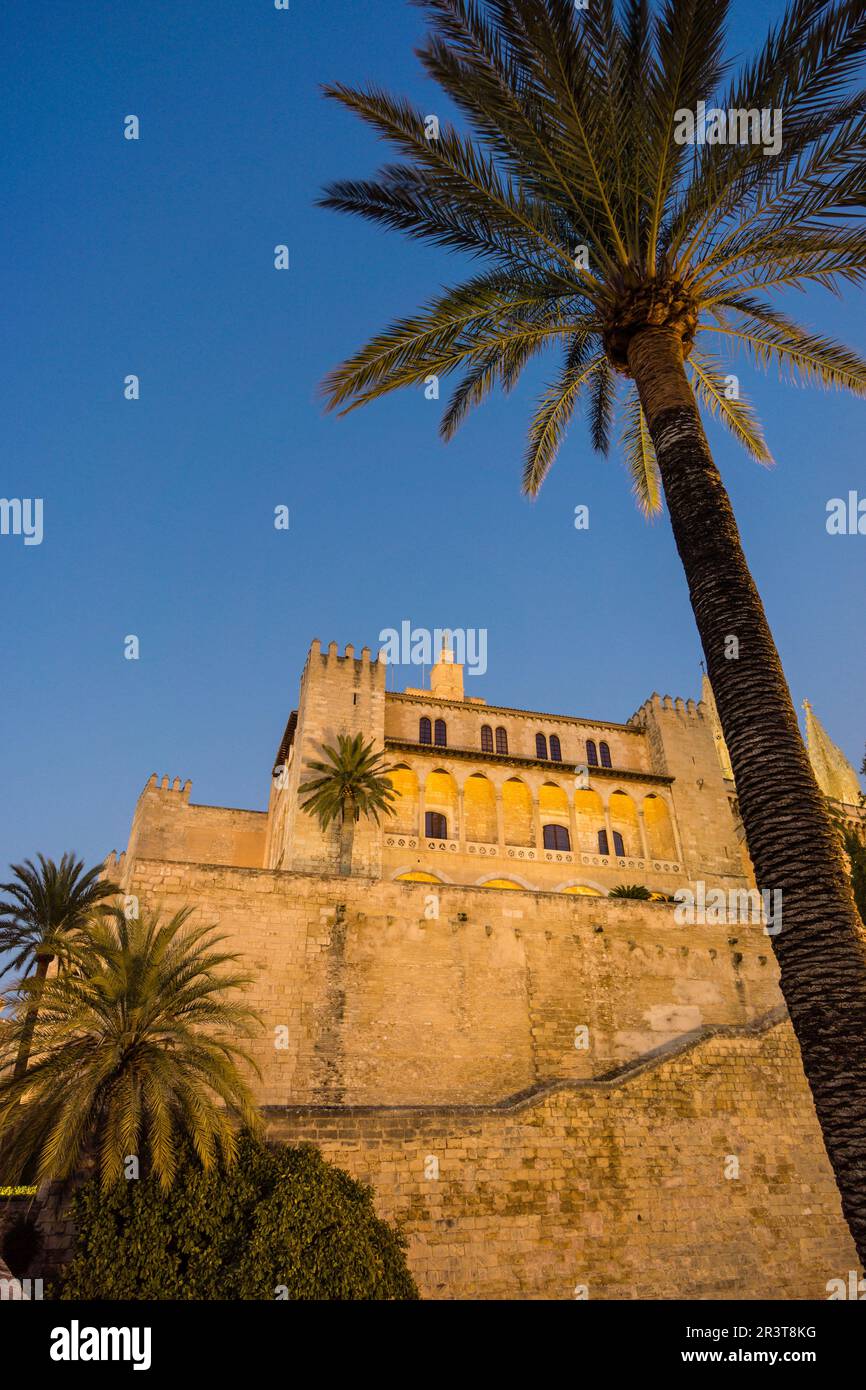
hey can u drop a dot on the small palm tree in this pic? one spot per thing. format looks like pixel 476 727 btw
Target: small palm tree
pixel 43 921
pixel 354 780
pixel 133 1051
pixel 631 890
pixel 606 226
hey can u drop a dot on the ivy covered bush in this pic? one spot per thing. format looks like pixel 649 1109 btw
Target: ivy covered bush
pixel 281 1223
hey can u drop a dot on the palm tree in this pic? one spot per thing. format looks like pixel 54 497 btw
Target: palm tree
pixel 354 780
pixel 631 890
pixel 132 1055
pixel 43 921
pixel 601 232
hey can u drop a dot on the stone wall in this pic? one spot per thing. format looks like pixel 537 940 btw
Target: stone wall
pixel 611 1189
pixel 411 993
pixel 166 826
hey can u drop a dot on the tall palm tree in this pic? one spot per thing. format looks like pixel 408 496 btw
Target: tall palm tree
pixel 132 1053
pixel 354 780
pixel 638 254
pixel 42 921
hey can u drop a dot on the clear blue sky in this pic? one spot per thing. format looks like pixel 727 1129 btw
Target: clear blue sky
pixel 156 258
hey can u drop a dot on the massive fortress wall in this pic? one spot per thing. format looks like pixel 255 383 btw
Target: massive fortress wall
pixel 386 1003
pixel 414 1037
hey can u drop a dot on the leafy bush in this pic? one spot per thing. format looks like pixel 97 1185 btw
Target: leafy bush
pixel 280 1223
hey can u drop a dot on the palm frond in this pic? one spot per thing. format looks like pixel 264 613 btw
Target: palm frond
pixel 640 456
pixel 548 426
pixel 602 407
pixel 689 39
pixel 772 338
pixel 464 323
pixel 452 168
pixel 709 379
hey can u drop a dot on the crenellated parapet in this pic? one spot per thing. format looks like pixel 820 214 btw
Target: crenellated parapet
pixel 657 703
pixel 114 864
pixel 167 784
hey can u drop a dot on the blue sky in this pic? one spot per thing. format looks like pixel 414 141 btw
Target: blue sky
pixel 156 257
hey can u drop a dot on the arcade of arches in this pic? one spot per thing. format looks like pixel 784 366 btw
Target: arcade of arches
pixel 480 812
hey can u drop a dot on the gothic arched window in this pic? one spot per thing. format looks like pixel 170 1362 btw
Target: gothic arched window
pixel 501 740
pixel 591 753
pixel 555 749
pixel 605 756
pixel 425 731
pixel 556 837
pixel 540 746
pixel 440 734
pixel 618 846
pixel 486 738
pixel 602 842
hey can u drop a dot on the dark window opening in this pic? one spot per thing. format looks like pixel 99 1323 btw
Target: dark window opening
pixel 555 749
pixel 556 837
pixel 540 746
pixel 486 738
pixel 602 842
pixel 501 741
pixel 440 737
pixel 436 825
pixel 618 846
pixel 591 753
pixel 605 756
pixel 425 731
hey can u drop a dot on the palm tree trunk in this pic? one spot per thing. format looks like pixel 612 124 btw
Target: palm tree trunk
pixel 30 1017
pixel 821 948
pixel 347 838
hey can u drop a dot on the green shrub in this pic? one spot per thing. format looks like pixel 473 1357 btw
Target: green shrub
pixel 281 1223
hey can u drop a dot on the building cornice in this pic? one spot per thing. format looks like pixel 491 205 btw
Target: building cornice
pixel 439 754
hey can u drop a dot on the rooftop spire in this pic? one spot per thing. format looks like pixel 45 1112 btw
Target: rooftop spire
pixel 833 772
pixel 709 701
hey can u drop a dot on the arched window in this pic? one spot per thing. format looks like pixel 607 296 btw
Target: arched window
pixel 605 756
pixel 501 740
pixel 556 837
pixel 440 736
pixel 436 826
pixel 555 749
pixel 540 746
pixel 425 731
pixel 618 846
pixel 591 753
pixel 602 842
pixel 486 738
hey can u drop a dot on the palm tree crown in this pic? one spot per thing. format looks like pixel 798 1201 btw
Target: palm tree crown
pixel 354 780
pixel 45 921
pixel 47 908
pixel 594 220
pixel 133 1051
